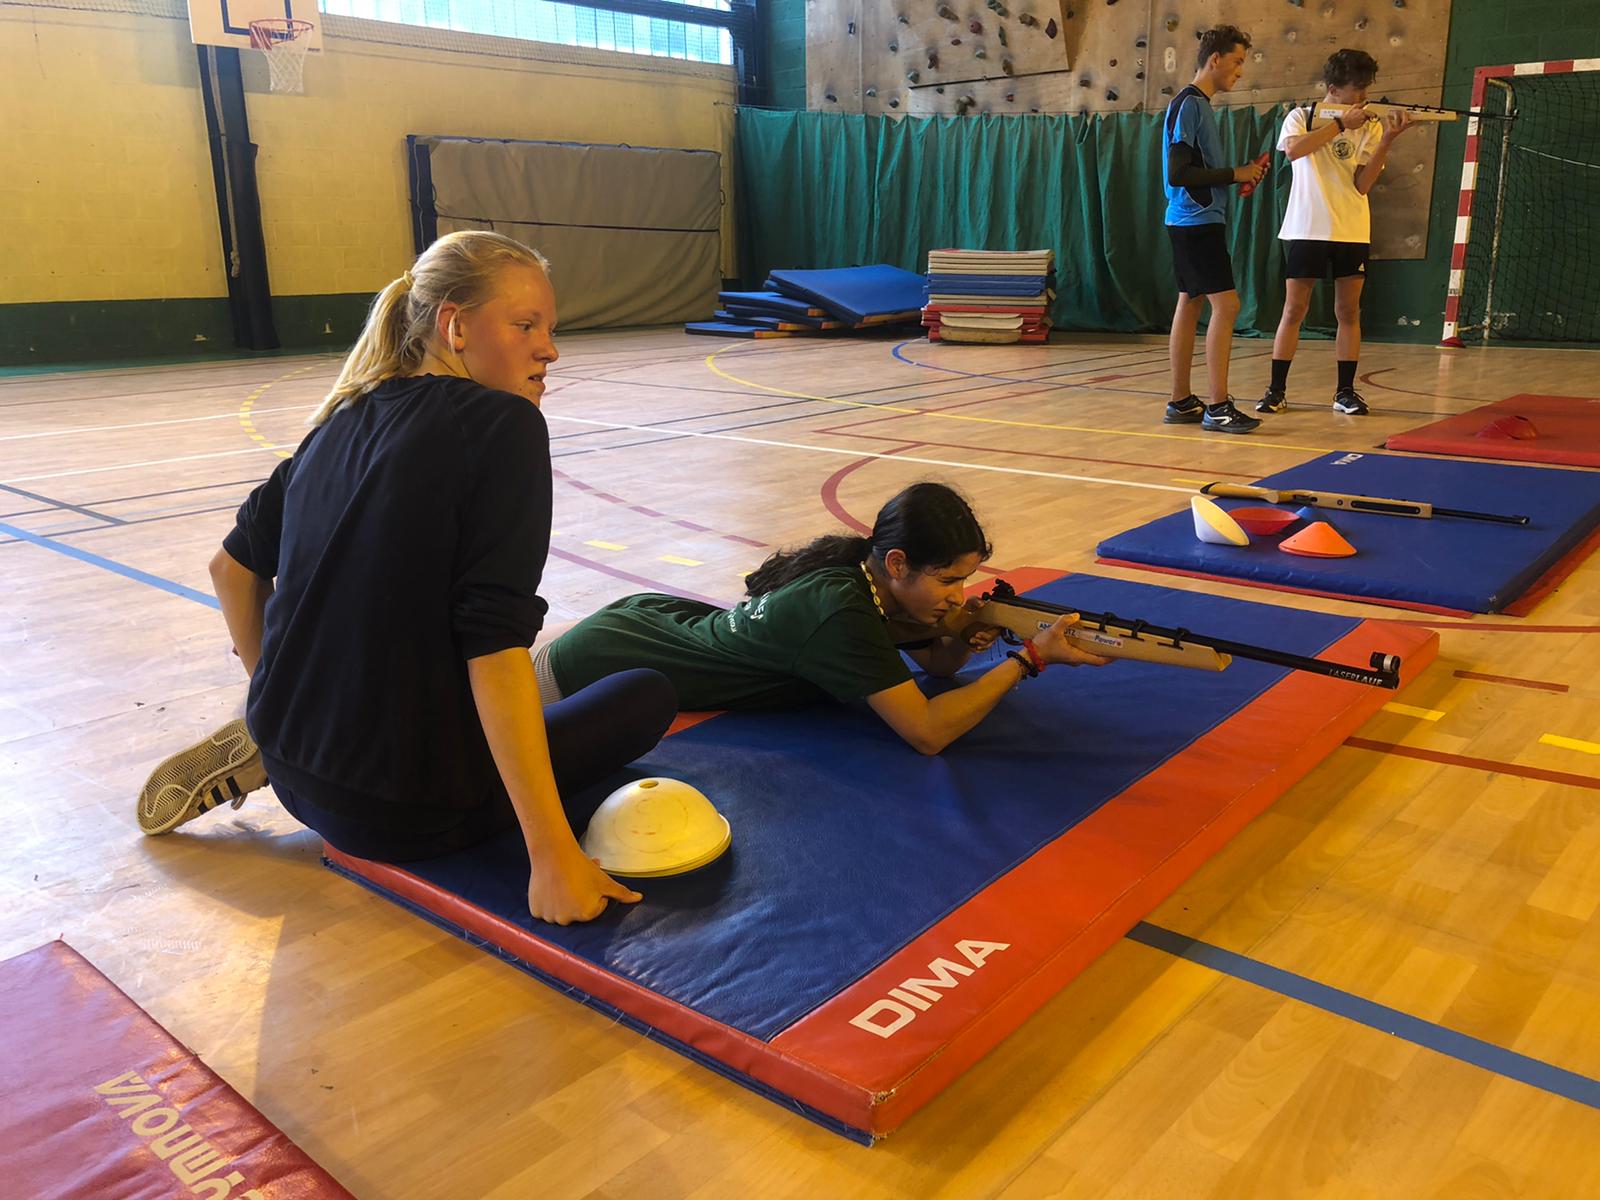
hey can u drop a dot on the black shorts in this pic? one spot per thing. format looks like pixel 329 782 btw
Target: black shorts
pixel 1200 257
pixel 1313 260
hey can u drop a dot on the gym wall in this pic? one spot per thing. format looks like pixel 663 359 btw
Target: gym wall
pixel 107 208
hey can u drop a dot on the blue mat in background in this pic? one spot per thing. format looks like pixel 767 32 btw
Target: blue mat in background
pixel 1443 562
pixel 847 843
pixel 855 294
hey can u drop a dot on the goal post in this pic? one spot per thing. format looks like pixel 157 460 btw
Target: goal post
pixel 1527 233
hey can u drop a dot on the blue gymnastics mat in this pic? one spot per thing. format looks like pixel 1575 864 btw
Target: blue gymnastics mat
pixel 1439 564
pixel 856 294
pixel 860 868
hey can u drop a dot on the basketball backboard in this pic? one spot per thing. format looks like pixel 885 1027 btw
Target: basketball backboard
pixel 227 22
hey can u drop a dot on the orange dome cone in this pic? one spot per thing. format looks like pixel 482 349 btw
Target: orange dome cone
pixel 1510 427
pixel 1318 540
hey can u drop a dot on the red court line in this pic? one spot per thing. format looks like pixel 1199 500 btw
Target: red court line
pixel 1370 381
pixel 1469 627
pixel 1512 680
pixel 1491 765
pixel 830 490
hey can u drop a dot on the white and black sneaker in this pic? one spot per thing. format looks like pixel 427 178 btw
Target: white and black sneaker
pixel 1225 418
pixel 1349 402
pixel 1275 401
pixel 223 769
pixel 1187 411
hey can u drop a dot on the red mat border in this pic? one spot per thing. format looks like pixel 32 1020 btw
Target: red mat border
pixel 1130 847
pixel 1419 441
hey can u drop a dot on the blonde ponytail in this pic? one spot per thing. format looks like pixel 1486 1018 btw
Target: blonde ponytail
pixel 460 268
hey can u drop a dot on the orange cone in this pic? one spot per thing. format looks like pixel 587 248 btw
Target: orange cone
pixel 1318 540
pixel 1519 428
pixel 1263 522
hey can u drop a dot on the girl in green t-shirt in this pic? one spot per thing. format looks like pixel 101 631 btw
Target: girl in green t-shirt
pixel 827 621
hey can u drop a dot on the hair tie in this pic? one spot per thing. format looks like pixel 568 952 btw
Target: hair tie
pixel 407 280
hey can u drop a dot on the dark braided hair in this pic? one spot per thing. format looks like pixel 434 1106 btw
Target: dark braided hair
pixel 932 523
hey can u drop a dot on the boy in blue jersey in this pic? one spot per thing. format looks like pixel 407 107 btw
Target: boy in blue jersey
pixel 1197 207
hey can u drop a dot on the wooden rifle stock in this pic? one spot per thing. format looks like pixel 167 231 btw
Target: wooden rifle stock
pixel 1348 503
pixel 1112 636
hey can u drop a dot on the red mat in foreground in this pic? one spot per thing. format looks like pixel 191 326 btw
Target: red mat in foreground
pixel 1565 430
pixel 101 1102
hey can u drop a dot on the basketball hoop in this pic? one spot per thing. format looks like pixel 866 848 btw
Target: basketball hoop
pixel 284 42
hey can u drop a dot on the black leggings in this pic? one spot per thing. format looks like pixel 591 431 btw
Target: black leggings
pixel 592 733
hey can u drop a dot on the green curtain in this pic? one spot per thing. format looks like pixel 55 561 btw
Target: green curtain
pixel 826 190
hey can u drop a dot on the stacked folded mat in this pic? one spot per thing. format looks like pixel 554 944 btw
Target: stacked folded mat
pixel 994 297
pixel 818 303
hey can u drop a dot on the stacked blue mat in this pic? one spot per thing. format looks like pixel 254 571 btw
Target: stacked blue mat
pixel 813 303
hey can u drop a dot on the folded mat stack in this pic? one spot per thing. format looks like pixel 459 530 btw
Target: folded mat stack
pixel 995 297
pixel 812 303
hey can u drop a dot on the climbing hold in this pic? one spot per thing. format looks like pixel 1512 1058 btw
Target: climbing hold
pixel 1050 29
pixel 1362 23
pixel 851 29
pixel 830 97
pixel 1141 43
pixel 975 26
pixel 955 41
pixel 1084 81
pixel 948 13
pixel 1138 75
pixel 980 52
pixel 1000 32
pixel 1006 67
pixel 1112 63
pixel 1028 19
pixel 1011 97
pixel 871 91
pixel 1172 24
pixel 895 103
pixel 894 47
pixel 1111 94
pixel 933 59
pixel 913 76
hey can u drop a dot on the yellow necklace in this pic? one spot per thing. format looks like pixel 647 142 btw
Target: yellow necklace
pixel 872 586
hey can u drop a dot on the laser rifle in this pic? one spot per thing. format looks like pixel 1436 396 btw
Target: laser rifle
pixel 1112 636
pixel 1382 108
pixel 1366 504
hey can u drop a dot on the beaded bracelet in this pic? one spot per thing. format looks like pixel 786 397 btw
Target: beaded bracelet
pixel 1028 668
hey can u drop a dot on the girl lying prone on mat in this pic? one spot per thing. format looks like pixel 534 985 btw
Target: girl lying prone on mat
pixel 381 588
pixel 824 622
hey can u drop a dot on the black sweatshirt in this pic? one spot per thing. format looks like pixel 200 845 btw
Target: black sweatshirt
pixel 407 535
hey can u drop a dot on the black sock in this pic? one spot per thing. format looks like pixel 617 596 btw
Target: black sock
pixel 1219 404
pixel 1280 373
pixel 1347 374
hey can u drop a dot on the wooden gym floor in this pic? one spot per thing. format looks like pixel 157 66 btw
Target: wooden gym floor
pixel 1460 887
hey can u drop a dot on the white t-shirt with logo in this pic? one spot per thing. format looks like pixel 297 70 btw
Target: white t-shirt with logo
pixel 1324 205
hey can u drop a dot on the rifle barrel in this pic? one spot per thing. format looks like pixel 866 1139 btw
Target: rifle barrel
pixel 1385 672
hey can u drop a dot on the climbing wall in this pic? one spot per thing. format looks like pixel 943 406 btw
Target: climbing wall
pixel 958 57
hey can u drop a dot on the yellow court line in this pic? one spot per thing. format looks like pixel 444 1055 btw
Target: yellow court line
pixel 247 416
pixel 1566 743
pixel 605 545
pixel 1406 710
pixel 948 416
pixel 1195 482
pixel 682 562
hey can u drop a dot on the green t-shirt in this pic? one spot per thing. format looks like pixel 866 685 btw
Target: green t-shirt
pixel 815 638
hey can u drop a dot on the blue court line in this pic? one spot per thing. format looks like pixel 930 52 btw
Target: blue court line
pixel 1478 1053
pixel 106 564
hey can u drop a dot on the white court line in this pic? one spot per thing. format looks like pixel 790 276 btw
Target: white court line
pixel 929 462
pixel 129 466
pixel 227 416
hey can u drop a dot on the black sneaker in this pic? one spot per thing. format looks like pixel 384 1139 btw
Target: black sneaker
pixel 1274 401
pixel 1349 402
pixel 1187 411
pixel 1225 418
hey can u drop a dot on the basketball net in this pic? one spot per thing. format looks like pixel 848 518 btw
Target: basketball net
pixel 284 41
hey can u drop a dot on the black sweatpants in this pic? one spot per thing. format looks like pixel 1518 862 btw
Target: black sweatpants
pixel 592 734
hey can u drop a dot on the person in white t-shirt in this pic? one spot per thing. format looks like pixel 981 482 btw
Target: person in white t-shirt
pixel 1328 227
